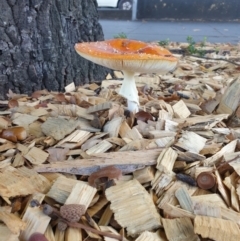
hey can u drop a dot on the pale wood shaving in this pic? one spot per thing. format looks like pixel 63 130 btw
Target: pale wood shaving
pixel 179 229
pixel 130 209
pixel 216 229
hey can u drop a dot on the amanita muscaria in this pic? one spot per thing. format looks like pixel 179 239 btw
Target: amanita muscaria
pixel 129 56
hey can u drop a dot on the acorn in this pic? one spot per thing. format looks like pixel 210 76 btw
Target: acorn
pixel 206 180
pixel 14 134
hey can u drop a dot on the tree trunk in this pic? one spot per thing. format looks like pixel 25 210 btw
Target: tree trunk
pixel 37 40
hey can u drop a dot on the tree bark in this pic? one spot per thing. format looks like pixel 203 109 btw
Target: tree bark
pixel 37 40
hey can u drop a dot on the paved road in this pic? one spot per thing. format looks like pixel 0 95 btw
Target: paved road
pixel 215 32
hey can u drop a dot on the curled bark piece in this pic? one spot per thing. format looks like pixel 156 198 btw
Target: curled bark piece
pixel 143 116
pixel 110 172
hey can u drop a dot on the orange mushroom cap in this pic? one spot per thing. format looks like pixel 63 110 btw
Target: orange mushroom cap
pixel 128 55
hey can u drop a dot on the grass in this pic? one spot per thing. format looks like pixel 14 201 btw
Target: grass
pixel 120 35
pixel 193 50
pixel 164 43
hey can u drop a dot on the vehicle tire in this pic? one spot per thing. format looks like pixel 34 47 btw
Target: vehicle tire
pixel 125 4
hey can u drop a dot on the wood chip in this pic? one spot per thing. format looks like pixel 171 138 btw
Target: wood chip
pixel 112 127
pixel 73 234
pixel 62 188
pixel 191 141
pixel 81 193
pixel 106 217
pixel 126 161
pixel 23 119
pixel 206 209
pixel 144 175
pixel 101 147
pixel 13 222
pixel 179 229
pixel 137 219
pixel 166 160
pixel 3 123
pixel 229 148
pixel 171 211
pixel 180 110
pixel 230 99
pixel 184 199
pixel 70 87
pixel 216 229
pixel 58 128
pixel 150 236
pixel 35 219
pixel 36 156
pixel 6 233
pixel 17 182
pixel 100 107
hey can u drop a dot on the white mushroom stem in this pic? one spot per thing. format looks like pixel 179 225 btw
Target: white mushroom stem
pixel 129 91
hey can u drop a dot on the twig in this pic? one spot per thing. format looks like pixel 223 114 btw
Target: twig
pixel 51 211
pixel 80 225
pixel 220 59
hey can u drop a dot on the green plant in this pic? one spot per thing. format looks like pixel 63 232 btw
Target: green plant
pixel 192 49
pixel 120 35
pixel 164 43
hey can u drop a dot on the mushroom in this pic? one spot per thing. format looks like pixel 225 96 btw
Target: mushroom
pixel 129 56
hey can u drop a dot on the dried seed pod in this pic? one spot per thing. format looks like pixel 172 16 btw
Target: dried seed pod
pixel 62 226
pixel 72 212
pixel 206 180
pixel 37 237
pixel 34 203
pixel 47 209
pixel 51 211
pixel 187 179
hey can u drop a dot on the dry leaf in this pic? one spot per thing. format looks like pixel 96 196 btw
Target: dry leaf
pixel 12 103
pixel 39 93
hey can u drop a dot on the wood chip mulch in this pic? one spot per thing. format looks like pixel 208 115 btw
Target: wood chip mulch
pixel 78 166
